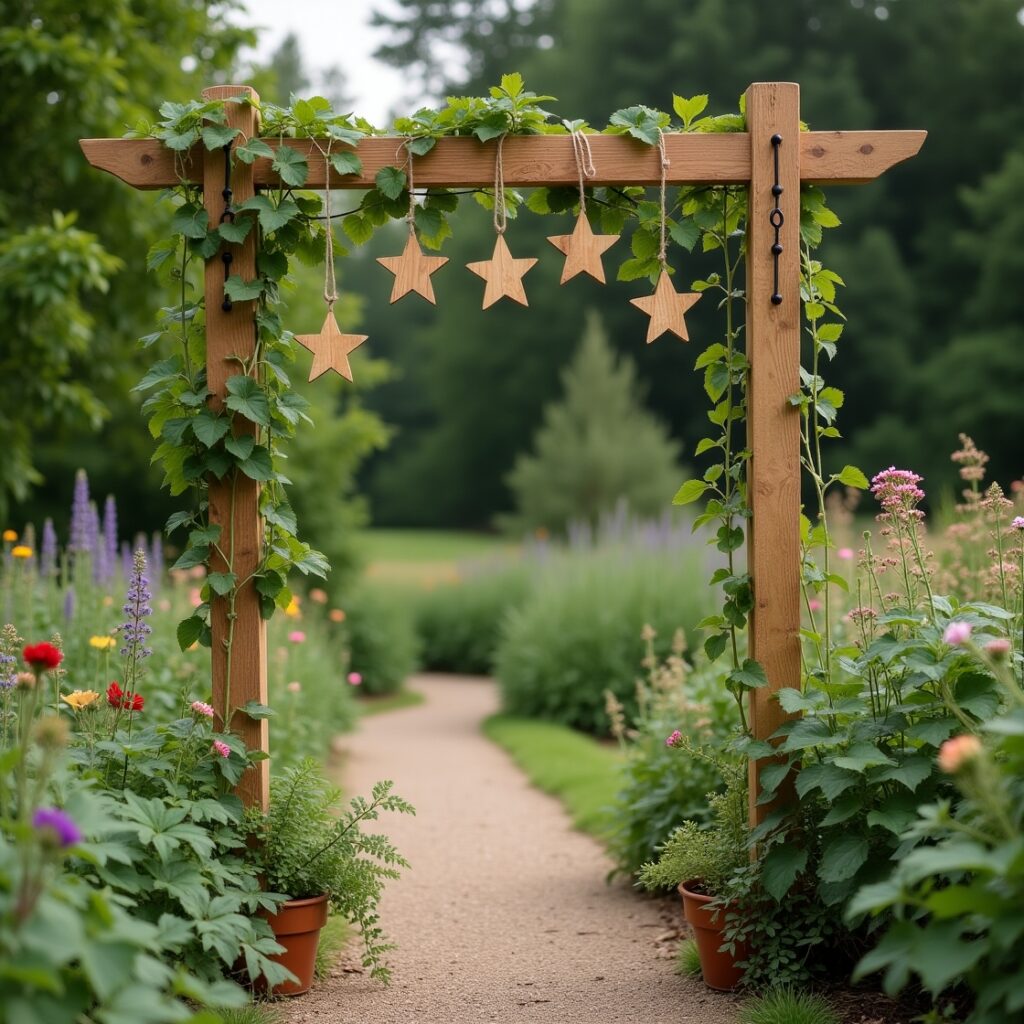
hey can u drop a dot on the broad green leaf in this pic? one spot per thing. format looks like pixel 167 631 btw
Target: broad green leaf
pixel 221 582
pixel 391 181
pixel 247 396
pixel 258 466
pixel 781 867
pixel 291 166
pixel 217 136
pixel 689 492
pixel 243 291
pixel 189 630
pixel 843 857
pixel 851 476
pixel 346 163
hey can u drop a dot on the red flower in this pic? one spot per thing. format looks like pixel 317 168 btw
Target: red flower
pixel 42 657
pixel 124 700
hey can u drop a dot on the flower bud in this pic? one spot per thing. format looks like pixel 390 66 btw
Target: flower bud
pixel 51 732
pixel 25 681
pixel 959 751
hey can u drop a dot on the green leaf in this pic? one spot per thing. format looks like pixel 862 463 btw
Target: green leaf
pixel 217 136
pixel 209 427
pixel 254 709
pixel 685 233
pixel 358 228
pixel 714 646
pixel 750 675
pixel 781 867
pixel 689 492
pixel 259 465
pixel 238 290
pixel 241 447
pixel 190 220
pixel 851 476
pixel 391 181
pixel 688 109
pixel 221 582
pixel 247 397
pixel 252 149
pixel 272 216
pixel 291 166
pixel 346 163
pixel 842 858
pixel 189 631
pixel 862 756
pixel 235 231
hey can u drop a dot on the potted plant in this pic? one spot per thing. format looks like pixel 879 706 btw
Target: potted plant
pixel 699 862
pixel 324 863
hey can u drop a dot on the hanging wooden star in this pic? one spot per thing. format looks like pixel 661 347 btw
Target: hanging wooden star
pixel 412 270
pixel 503 274
pixel 330 348
pixel 666 308
pixel 583 250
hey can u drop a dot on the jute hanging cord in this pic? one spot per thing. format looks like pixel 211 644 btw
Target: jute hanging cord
pixel 330 347
pixel 583 249
pixel 413 268
pixel 503 274
pixel 666 307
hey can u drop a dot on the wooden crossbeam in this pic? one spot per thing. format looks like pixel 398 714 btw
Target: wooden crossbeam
pixel 826 158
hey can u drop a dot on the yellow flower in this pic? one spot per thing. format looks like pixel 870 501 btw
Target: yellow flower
pixel 293 611
pixel 10 535
pixel 79 699
pixel 21 551
pixel 102 643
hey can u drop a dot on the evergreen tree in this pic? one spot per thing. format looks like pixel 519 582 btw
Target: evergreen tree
pixel 596 447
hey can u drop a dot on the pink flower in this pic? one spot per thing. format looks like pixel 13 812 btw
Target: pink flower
pixel 675 739
pixel 294 687
pixel 354 679
pixel 220 747
pixel 202 709
pixel 1018 523
pixel 814 604
pixel 898 494
pixel 998 648
pixel 957 633
pixel 957 752
pixel 845 554
pixel 195 598
pixel 296 636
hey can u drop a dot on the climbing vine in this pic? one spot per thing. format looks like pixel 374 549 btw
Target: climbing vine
pixel 196 442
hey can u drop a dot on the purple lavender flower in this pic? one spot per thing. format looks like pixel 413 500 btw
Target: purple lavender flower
pixel 56 827
pixel 69 604
pixel 156 560
pixel 135 630
pixel 82 531
pixel 109 537
pixel 8 670
pixel 48 549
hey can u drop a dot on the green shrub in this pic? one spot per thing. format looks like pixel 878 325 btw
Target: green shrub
pixel 788 1006
pixel 578 633
pixel 459 623
pixel 381 639
pixel 663 785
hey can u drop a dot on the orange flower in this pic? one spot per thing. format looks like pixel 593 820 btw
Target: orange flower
pixel 318 595
pixel 21 551
pixel 336 615
pixel 10 536
pixel 957 752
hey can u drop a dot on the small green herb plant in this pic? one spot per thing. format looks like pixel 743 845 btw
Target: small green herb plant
pixel 303 849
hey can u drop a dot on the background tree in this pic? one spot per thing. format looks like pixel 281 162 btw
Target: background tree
pixel 597 446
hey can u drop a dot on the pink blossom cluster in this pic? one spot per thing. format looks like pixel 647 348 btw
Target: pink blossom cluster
pixel 675 739
pixel 221 748
pixel 897 491
pixel 1018 523
pixel 202 709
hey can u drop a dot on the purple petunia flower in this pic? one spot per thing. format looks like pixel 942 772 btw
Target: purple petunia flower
pixel 56 827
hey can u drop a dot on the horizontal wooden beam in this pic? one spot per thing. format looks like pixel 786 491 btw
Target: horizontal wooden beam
pixel 826 158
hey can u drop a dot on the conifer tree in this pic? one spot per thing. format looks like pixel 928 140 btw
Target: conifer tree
pixel 597 446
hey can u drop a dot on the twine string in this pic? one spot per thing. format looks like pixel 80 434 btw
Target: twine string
pixel 665 163
pixel 330 286
pixel 500 213
pixel 584 163
pixel 410 217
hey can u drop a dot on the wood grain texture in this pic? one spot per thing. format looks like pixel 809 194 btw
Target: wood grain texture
pixel 330 348
pixel 667 309
pixel 826 158
pixel 503 274
pixel 773 425
pixel 582 250
pixel 412 270
pixel 232 333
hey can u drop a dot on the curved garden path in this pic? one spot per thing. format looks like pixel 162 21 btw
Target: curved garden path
pixel 505 915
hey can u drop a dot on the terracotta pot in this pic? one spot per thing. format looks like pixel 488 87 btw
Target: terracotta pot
pixel 297 927
pixel 718 968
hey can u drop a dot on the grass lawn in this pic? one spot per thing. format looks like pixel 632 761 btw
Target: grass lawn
pixel 390 702
pixel 430 545
pixel 584 774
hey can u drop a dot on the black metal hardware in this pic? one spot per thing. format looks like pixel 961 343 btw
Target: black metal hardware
pixel 777 219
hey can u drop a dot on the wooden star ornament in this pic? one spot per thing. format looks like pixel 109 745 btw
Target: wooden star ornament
pixel 583 250
pixel 503 274
pixel 330 348
pixel 666 308
pixel 412 270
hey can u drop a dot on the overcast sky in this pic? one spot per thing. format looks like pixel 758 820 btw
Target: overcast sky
pixel 333 32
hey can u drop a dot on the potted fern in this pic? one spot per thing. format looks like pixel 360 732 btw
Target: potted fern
pixel 699 862
pixel 324 862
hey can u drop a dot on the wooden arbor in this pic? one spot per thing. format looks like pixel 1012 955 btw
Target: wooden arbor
pixel 772 158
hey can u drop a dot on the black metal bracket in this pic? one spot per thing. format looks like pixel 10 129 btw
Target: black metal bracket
pixel 227 215
pixel 777 218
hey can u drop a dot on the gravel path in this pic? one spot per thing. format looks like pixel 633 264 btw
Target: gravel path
pixel 505 915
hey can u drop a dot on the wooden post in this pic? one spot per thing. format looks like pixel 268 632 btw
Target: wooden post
pixel 234 503
pixel 773 425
